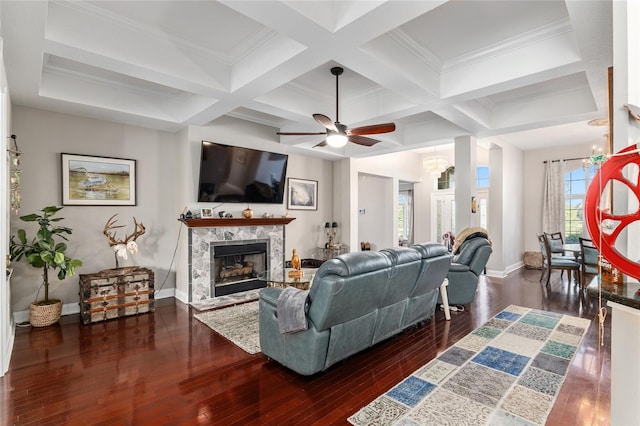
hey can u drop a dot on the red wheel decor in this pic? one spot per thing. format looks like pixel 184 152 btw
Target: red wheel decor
pixel 603 226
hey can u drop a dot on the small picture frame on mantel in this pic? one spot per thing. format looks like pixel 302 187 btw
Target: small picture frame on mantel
pixel 206 213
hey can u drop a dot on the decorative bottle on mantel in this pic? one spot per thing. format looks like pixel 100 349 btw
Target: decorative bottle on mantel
pixel 247 213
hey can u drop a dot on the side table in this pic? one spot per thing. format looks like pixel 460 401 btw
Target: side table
pixel 115 293
pixel 445 299
pixel 281 278
pixel 333 251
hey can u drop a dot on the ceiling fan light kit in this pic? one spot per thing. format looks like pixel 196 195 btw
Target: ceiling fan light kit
pixel 339 134
pixel 337 140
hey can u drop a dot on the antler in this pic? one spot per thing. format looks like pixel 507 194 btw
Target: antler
pixel 111 224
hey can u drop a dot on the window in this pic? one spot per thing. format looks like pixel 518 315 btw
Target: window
pixel 575 186
pixel 482 177
pixel 447 179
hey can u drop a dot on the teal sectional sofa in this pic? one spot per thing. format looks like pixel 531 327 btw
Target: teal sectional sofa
pixel 356 300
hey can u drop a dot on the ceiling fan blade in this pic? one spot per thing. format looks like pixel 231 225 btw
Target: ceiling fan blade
pixel 325 121
pixel 373 129
pixel 299 133
pixel 361 140
pixel 323 143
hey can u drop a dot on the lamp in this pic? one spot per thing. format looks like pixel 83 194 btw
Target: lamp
pixel 327 229
pixel 435 164
pixel 337 140
pixel 328 226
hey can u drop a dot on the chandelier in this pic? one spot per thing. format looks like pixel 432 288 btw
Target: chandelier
pixel 435 164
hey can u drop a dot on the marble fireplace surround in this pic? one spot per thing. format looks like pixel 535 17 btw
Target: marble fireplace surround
pixel 205 233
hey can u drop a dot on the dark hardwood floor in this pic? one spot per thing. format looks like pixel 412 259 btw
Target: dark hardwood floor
pixel 168 368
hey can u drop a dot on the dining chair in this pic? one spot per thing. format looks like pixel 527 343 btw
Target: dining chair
pixel 550 262
pixel 555 242
pixel 589 260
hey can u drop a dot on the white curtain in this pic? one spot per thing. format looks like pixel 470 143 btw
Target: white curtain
pixel 553 203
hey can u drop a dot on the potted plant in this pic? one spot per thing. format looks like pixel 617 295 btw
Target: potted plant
pixel 44 252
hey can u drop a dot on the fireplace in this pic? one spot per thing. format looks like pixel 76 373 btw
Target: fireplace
pixel 197 281
pixel 236 266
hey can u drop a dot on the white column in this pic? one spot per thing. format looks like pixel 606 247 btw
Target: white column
pixel 625 321
pixel 465 163
pixel 497 263
pixel 625 369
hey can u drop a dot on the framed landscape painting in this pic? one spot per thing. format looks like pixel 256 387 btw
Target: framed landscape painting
pixel 302 194
pixel 98 181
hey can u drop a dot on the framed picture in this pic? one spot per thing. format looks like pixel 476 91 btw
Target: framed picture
pixel 98 181
pixel 207 212
pixel 302 194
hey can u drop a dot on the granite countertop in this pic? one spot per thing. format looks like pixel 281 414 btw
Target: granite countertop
pixel 625 293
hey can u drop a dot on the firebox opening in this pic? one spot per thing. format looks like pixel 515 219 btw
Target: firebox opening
pixel 236 267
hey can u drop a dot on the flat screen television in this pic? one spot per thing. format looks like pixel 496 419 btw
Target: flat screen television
pixel 233 174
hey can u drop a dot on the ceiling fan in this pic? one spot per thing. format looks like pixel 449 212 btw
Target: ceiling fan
pixel 337 133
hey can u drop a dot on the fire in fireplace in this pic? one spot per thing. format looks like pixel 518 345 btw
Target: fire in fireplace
pixel 236 266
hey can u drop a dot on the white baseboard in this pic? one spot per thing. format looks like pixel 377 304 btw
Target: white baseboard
pixel 503 274
pixel 74 308
pixel 182 296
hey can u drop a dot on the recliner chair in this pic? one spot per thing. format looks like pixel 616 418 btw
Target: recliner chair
pixel 466 267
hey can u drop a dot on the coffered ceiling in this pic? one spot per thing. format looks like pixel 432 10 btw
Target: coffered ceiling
pixel 438 69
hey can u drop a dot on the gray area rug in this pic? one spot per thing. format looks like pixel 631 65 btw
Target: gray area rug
pixel 237 323
pixel 507 372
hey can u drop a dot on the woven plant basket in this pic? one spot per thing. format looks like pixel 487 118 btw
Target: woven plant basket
pixel 45 315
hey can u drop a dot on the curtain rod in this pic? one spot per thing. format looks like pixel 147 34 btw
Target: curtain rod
pixel 567 159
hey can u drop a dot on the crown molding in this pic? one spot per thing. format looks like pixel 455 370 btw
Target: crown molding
pixel 552 30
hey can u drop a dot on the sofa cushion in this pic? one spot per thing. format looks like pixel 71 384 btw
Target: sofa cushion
pixel 428 250
pixel 351 285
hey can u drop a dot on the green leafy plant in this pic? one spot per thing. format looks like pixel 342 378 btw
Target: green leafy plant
pixel 43 251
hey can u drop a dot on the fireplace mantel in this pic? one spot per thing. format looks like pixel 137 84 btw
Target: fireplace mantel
pixel 236 221
pixel 206 234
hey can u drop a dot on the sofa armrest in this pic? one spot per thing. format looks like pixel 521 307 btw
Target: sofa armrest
pixel 270 295
pixel 458 267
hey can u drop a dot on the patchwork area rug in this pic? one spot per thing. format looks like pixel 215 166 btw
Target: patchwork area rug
pixel 507 372
pixel 237 323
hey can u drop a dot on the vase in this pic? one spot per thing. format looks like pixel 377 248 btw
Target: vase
pixel 247 213
pixel 45 315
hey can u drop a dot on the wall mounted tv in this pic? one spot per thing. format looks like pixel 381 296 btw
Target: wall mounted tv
pixel 233 174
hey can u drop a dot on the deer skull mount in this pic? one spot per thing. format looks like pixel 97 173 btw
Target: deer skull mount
pixel 121 246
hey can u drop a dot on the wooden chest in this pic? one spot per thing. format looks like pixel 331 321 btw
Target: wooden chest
pixel 115 293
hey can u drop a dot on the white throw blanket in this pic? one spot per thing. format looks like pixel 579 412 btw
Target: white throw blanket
pixel 291 309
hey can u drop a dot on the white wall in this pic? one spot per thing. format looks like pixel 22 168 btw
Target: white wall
pixel 7 325
pixel 43 137
pixel 534 185
pixel 168 167
pixel 374 193
pixel 512 207
pixel 305 233
pixel 168 172
pixel 392 168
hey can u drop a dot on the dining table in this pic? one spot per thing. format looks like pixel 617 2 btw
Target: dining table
pixel 575 250
pixel 572 248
